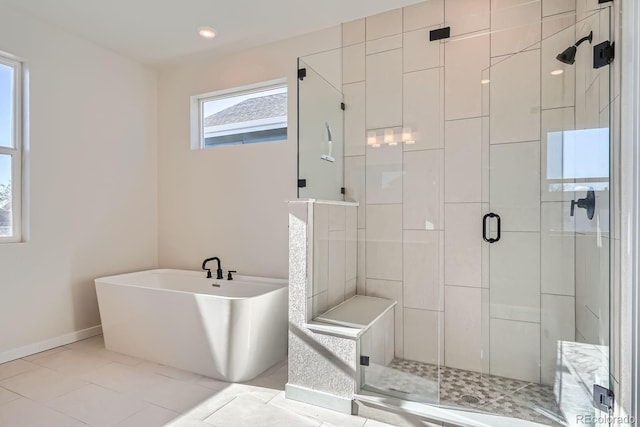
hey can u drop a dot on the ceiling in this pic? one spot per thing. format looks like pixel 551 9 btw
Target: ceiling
pixel 157 32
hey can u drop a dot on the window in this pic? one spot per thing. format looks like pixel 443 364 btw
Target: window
pixel 10 150
pixel 578 159
pixel 245 115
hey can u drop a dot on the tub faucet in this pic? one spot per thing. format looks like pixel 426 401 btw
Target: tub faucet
pixel 218 271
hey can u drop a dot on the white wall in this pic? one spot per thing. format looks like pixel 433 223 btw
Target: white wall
pixel 92 193
pixel 228 201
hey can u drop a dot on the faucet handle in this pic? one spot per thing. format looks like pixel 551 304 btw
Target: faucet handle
pixel 229 276
pixel 208 273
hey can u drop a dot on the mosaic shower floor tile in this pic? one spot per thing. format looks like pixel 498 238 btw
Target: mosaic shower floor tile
pixel 456 387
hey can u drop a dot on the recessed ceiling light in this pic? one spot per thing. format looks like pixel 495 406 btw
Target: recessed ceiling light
pixel 557 72
pixel 207 32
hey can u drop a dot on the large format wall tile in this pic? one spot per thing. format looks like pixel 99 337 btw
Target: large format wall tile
pixel 393 291
pixel 463 244
pixel 557 138
pixel 515 98
pixel 515 349
pixel 425 14
pixel 353 32
pixel 354 119
pixel 320 249
pixel 557 324
pixel 384 242
pixel 384 44
pixel 384 174
pixel 515 277
pixel 319 304
pixel 351 268
pixel 464 61
pixel 463 329
pixel 592 287
pixel 515 26
pixel 328 65
pixel 353 63
pixel 463 160
pixel 515 185
pixel 554 7
pixel 555 24
pixel 424 335
pixel 558 90
pixel 384 89
pixel 337 274
pixel 354 182
pixel 361 280
pixel 384 24
pixel 423 187
pixel 423 272
pixel 422 108
pixel 557 244
pixel 467 16
pixel 337 217
pixel 419 53
pixel 588 106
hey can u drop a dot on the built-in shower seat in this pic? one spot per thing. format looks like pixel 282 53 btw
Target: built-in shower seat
pixel 364 327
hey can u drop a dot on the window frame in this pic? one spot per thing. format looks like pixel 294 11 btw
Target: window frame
pixel 197 102
pixel 16 150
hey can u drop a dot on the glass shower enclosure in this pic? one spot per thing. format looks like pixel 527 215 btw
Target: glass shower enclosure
pixel 544 221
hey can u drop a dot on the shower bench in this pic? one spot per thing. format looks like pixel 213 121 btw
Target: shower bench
pixel 361 327
pixel 329 353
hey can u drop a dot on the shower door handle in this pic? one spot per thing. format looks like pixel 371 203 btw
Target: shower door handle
pixel 484 227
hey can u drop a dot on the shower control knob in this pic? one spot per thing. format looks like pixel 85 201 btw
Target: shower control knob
pixel 588 203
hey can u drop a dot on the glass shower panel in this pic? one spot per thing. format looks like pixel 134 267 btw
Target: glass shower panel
pixel 414 374
pixel 546 144
pixel 320 137
pixel 523 332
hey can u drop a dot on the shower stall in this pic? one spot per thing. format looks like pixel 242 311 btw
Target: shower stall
pixel 485 168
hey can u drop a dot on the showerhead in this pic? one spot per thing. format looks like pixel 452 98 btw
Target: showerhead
pixel 328 157
pixel 569 54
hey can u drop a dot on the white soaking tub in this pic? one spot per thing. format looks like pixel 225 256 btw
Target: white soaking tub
pixel 232 330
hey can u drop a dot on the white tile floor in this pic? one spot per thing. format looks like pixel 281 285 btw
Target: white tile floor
pixel 84 384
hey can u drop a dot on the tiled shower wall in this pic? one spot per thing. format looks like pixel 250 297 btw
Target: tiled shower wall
pixel 419 239
pixel 334 255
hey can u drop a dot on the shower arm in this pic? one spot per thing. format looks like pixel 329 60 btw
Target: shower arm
pixel 584 39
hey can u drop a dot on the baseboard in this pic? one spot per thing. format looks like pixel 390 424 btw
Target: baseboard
pixel 28 350
pixel 319 398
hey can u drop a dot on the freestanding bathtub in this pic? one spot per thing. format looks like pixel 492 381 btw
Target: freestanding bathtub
pixel 232 330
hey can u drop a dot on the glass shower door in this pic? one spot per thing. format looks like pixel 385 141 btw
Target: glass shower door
pixel 546 266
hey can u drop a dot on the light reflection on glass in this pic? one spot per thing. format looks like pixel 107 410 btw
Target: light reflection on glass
pixel 578 154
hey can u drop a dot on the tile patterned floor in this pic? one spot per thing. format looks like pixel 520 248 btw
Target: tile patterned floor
pixel 83 384
pixel 457 387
